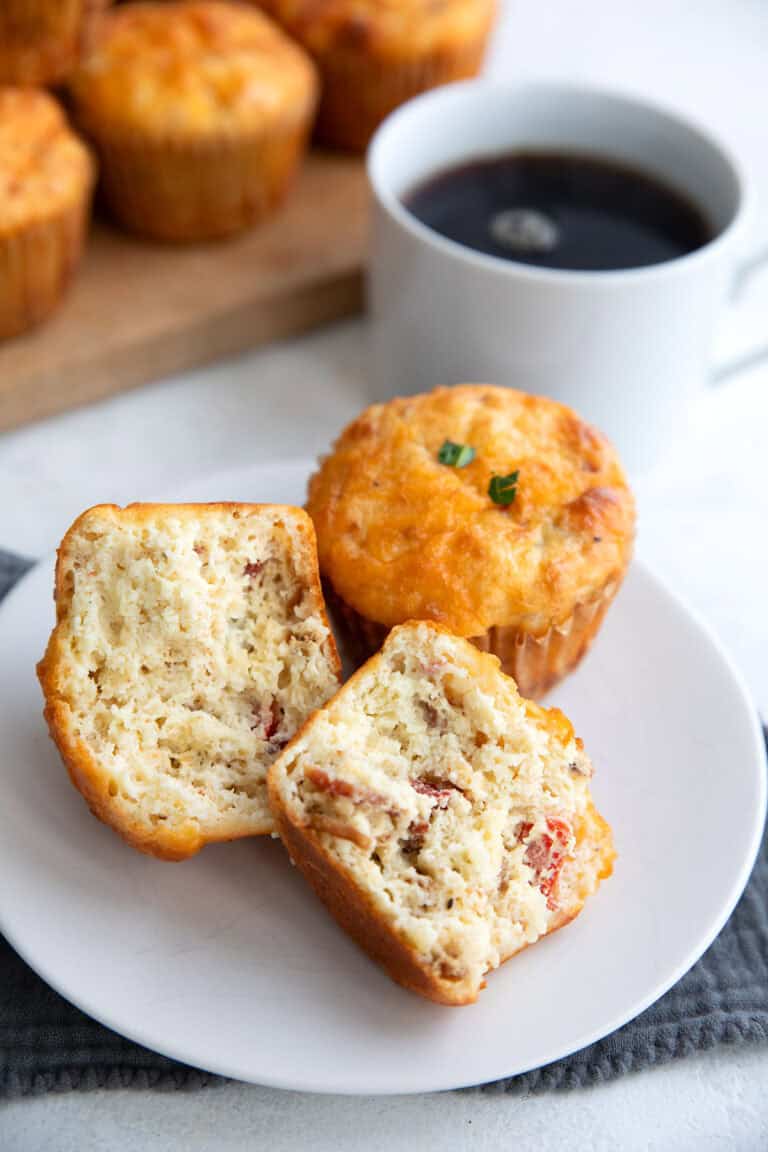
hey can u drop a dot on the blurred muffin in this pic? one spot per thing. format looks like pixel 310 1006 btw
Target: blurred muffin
pixel 498 514
pixel 200 114
pixel 375 54
pixel 46 179
pixel 40 39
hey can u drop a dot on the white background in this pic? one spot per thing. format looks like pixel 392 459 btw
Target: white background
pixel 704 526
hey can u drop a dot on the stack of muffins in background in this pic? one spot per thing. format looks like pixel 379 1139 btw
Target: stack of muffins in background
pixel 197 113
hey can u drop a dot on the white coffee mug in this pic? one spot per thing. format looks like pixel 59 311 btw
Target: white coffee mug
pixel 627 349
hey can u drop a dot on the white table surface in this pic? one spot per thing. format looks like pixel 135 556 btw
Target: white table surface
pixel 704 526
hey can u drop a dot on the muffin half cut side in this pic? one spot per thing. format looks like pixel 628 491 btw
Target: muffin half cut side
pixel 445 822
pixel 191 643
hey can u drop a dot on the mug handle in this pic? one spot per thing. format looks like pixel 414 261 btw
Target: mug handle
pixel 736 348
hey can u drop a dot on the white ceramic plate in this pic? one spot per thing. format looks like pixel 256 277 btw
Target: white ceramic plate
pixel 228 962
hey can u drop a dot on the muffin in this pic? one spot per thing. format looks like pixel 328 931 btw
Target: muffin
pixel 446 822
pixel 375 54
pixel 498 514
pixel 46 180
pixel 40 40
pixel 199 112
pixel 191 643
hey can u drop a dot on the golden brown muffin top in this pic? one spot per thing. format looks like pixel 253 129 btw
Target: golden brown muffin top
pixel 402 536
pixel 44 167
pixel 382 27
pixel 191 68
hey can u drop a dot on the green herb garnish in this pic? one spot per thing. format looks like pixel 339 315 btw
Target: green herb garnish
pixel 503 489
pixel 456 455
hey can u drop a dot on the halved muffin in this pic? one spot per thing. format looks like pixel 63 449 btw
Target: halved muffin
pixel 375 54
pixel 46 182
pixel 200 113
pixel 499 514
pixel 191 643
pixel 445 822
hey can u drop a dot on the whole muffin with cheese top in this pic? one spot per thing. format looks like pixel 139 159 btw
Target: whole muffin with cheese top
pixel 46 180
pixel 200 112
pixel 375 54
pixel 501 515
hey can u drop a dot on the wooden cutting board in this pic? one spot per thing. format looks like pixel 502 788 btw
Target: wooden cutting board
pixel 137 312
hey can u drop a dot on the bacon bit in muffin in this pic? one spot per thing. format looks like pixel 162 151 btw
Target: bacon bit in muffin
pixel 253 568
pixel 273 723
pixel 546 854
pixel 438 790
pixel 342 831
pixel 324 783
pixel 337 788
pixel 267 717
pixel 414 842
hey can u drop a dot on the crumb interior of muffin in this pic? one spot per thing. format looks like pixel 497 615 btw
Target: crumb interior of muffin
pixel 194 649
pixel 448 800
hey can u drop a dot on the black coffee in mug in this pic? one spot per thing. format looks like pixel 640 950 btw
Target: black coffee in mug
pixel 561 210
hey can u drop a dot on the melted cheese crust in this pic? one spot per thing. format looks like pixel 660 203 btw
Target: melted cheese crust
pixel 400 28
pixel 191 68
pixel 44 167
pixel 402 536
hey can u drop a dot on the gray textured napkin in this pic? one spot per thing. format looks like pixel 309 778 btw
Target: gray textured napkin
pixel 48 1045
